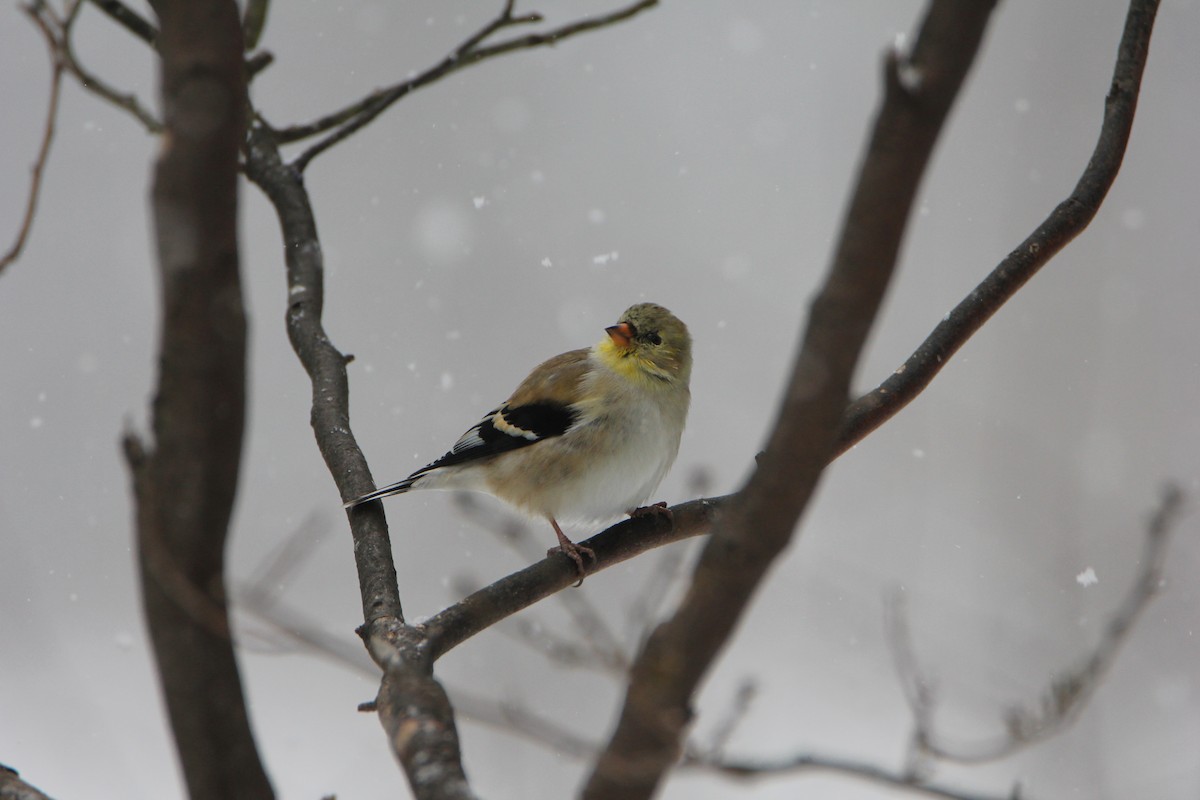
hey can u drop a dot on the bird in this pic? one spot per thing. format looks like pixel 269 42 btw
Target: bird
pixel 587 436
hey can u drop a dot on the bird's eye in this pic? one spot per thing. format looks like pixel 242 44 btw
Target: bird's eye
pixel 654 338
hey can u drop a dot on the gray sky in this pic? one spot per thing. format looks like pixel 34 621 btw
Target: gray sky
pixel 698 156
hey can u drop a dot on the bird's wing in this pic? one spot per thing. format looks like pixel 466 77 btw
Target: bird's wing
pixel 541 408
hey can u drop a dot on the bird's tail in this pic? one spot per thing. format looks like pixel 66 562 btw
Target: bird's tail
pixel 395 488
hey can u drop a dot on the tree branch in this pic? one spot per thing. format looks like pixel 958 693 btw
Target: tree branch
pixel 57 67
pixel 415 712
pixel 403 650
pixel 254 21
pixel 1065 222
pixel 413 708
pixel 759 770
pixel 60 33
pixel 1069 691
pixel 518 591
pixel 13 788
pixel 354 117
pixel 758 524
pixel 325 366
pixel 130 20
pixel 184 484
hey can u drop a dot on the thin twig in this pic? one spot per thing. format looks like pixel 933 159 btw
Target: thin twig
pixel 254 21
pixel 59 35
pixel 714 749
pixel 354 117
pixel 265 583
pixel 1069 691
pixel 290 630
pixel 517 591
pixel 664 575
pixel 593 632
pixel 625 540
pixel 130 20
pixel 861 770
pixel 1065 222
pixel 761 520
pixel 39 163
pixel 126 101
pixel 414 709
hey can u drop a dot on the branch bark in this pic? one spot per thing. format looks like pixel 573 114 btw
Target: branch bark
pixel 185 480
pixel 413 707
pixel 356 116
pixel 521 589
pixel 185 484
pixel 1063 700
pixel 51 29
pixel 758 523
pixel 13 788
pixel 904 783
pixel 1065 222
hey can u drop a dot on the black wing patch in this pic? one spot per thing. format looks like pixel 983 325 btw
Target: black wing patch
pixel 501 430
pixel 506 429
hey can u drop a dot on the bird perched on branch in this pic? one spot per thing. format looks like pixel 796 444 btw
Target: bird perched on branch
pixel 587 436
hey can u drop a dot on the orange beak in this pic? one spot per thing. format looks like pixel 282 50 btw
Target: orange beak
pixel 621 334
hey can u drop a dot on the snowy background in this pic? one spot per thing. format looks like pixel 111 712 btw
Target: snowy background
pixel 698 156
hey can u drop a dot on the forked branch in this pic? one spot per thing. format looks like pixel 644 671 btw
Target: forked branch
pixel 354 117
pixel 1069 691
pixel 860 418
pixel 756 526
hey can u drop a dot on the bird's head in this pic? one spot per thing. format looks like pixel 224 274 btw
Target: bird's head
pixel 649 342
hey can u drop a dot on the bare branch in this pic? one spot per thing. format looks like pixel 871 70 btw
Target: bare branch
pixel 1067 221
pixel 1068 692
pixel 666 575
pixel 753 531
pixel 13 788
pixel 559 738
pixel 354 117
pixel 599 646
pixel 413 707
pixel 293 630
pixel 326 368
pixel 524 588
pixel 761 770
pixel 415 712
pixel 254 20
pixel 510 594
pixel 130 20
pixel 39 164
pixel 714 749
pixel 126 101
pixel 263 586
pixel 184 485
pixel 59 35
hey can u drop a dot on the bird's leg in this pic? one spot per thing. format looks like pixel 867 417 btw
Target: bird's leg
pixel 573 551
pixel 658 509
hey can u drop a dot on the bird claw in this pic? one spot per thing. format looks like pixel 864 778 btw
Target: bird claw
pixel 575 552
pixel 571 550
pixel 658 509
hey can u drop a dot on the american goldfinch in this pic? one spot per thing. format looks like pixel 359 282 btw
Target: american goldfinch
pixel 588 435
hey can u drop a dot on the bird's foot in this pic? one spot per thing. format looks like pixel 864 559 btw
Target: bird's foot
pixel 573 551
pixel 657 510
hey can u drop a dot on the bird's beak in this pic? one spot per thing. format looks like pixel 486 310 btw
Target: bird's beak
pixel 621 334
